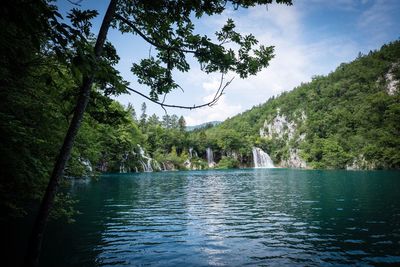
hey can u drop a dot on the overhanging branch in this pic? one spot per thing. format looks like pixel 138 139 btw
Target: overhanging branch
pixel 217 96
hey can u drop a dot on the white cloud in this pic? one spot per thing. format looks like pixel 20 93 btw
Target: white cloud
pixel 218 112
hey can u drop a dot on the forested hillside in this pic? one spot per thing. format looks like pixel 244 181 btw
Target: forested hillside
pixel 347 119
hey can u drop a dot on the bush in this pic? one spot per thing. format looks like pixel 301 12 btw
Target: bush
pixel 228 163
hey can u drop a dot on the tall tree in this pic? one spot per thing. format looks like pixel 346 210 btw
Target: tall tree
pixel 173 120
pixel 166 121
pixel 153 120
pixel 132 111
pixel 182 124
pixel 143 116
pixel 35 241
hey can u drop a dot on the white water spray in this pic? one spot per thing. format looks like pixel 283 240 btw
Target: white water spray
pixel 262 159
pixel 210 157
pixel 146 164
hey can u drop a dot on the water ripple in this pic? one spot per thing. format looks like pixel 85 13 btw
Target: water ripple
pixel 238 218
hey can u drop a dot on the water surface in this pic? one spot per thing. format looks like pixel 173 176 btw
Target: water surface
pixel 253 217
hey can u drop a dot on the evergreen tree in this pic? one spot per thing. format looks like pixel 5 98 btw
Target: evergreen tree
pixel 166 121
pixel 182 124
pixel 132 111
pixel 143 116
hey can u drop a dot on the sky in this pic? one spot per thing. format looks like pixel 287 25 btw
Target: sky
pixel 312 37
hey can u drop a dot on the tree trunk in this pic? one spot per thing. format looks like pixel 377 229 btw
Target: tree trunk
pixel 36 238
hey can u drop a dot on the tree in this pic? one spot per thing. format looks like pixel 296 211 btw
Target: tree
pixel 173 121
pixel 35 241
pixel 132 111
pixel 143 116
pixel 182 124
pixel 153 120
pixel 173 36
pixel 166 121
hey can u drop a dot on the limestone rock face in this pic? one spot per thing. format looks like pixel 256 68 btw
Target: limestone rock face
pixel 391 83
pixel 279 127
pixel 282 128
pixel 294 160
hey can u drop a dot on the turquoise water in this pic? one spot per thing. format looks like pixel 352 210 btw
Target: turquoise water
pixel 253 217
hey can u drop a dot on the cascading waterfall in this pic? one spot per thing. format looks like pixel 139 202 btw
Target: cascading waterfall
pixel 262 159
pixel 122 164
pixel 210 157
pixel 143 165
pixel 190 152
pixel 88 166
pixel 146 165
pixel 122 168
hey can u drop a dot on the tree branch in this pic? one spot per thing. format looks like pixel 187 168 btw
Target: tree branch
pixel 150 41
pixel 77 3
pixel 217 96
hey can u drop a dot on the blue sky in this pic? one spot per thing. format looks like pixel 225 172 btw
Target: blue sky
pixel 311 38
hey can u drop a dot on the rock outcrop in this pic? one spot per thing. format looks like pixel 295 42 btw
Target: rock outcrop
pixel 391 83
pixel 282 128
pixel 294 160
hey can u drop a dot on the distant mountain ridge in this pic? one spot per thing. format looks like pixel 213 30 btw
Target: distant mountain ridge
pixel 203 125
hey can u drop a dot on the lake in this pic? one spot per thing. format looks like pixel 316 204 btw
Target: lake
pixel 253 217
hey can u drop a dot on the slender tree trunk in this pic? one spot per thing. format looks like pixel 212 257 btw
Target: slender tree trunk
pixel 36 238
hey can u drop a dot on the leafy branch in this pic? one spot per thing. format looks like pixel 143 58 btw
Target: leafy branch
pixel 217 96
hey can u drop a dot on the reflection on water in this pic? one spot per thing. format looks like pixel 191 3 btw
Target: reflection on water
pixel 250 217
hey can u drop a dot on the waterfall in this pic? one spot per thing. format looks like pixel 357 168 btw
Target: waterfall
pixel 86 163
pixel 210 157
pixel 192 153
pixel 122 168
pixel 122 163
pixel 147 163
pixel 261 159
pixel 143 165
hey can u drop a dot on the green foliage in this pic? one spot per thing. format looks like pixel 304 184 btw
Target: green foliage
pixel 64 208
pixel 173 158
pixel 199 164
pixel 228 163
pixel 174 38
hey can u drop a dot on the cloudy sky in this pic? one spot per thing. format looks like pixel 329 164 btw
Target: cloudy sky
pixel 311 38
